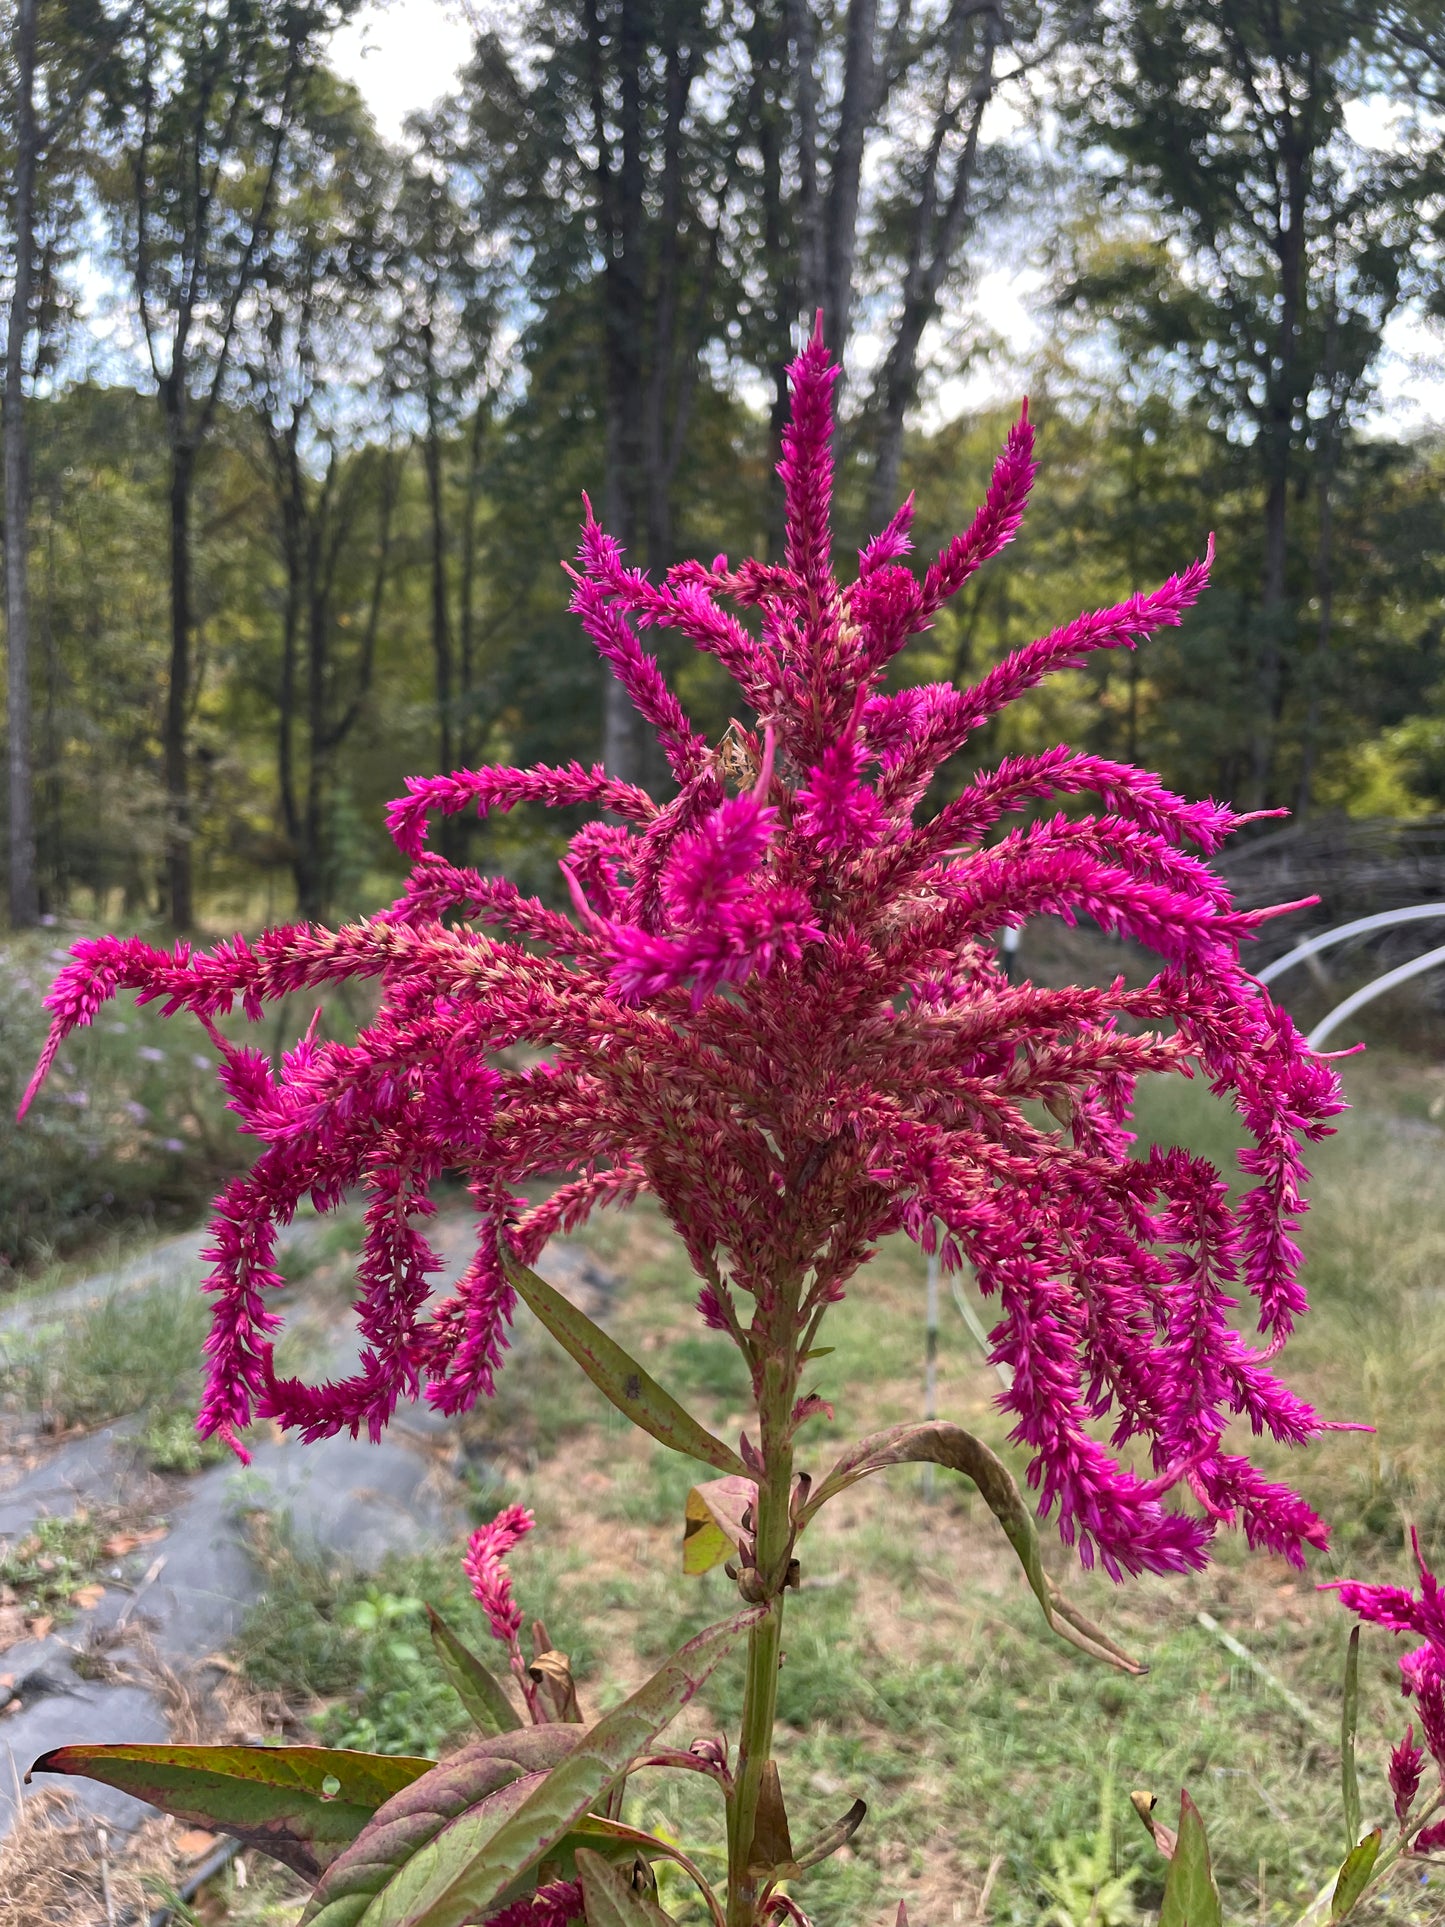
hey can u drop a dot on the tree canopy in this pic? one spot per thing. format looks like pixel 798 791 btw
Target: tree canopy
pixel 302 538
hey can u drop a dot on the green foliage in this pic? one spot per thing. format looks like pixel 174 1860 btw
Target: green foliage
pixel 58 1555
pixel 130 1352
pixel 300 1804
pixel 1086 1887
pixel 1190 1896
pixel 132 1129
pixel 169 1443
pixel 361 1648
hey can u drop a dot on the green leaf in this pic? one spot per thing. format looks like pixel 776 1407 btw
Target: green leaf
pixel 482 1777
pixel 1349 1722
pixel 619 1377
pixel 1190 1896
pixel 610 1898
pixel 484 1697
pixel 300 1804
pixel 1355 1874
pixel 712 1522
pixel 949 1445
pixel 470 1864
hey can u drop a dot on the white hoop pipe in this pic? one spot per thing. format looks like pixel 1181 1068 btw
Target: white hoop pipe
pixel 1400 975
pixel 1382 920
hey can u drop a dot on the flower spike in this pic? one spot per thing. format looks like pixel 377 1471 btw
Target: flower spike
pixel 776 1006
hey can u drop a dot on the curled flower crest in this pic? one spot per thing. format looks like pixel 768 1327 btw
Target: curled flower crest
pixel 776 1007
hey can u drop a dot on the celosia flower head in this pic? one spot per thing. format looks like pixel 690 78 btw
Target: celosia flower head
pixel 776 1007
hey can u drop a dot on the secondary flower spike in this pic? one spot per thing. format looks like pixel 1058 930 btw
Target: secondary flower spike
pixel 775 1006
pixel 1420 1615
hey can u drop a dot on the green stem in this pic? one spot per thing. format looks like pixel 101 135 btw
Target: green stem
pixel 760 1687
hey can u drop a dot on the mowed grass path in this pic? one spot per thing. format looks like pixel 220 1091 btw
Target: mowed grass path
pixel 918 1672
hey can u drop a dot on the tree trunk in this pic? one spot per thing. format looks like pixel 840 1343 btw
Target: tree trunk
pixel 316 839
pixel 620 191
pixel 441 633
pixel 467 593
pixel 24 901
pixel 1278 432
pixel 286 737
pixel 180 907
pixel 1329 441
pixel 621 731
pixel 802 31
pixel 932 249
pixel 860 86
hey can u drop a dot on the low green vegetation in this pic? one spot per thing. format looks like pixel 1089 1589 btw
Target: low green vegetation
pixel 130 1136
pixel 57 1557
pixel 139 1354
pixel 129 1352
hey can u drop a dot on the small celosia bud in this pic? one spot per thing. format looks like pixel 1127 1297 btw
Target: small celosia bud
pixel 491 1582
pixel 1406 1763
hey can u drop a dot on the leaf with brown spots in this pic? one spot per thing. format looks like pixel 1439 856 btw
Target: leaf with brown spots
pixel 299 1804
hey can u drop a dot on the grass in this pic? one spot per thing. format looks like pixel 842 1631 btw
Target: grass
pixel 917 1672
pixel 62 1554
pixel 44 1568
pixel 127 1353
pixel 140 1353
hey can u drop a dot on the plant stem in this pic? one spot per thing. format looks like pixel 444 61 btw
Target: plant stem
pixel 760 1688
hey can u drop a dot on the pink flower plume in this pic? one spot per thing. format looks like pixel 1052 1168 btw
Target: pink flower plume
pixel 776 1006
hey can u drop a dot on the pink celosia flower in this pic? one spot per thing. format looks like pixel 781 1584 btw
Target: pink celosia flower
pixel 490 1581
pixel 777 1008
pixel 1420 1615
pixel 554 1905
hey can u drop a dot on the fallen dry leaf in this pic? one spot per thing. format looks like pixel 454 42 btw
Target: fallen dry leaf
pixel 195 1842
pixel 39 1625
pixel 87 1596
pixel 122 1543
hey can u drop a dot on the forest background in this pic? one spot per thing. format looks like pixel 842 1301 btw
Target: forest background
pixel 297 418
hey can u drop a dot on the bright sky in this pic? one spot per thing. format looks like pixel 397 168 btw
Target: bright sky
pixel 404 54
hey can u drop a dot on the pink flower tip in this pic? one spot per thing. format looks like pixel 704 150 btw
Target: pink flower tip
pixel 490 1581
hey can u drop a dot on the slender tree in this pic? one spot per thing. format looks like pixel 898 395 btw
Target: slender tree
pixel 444 284
pixel 605 134
pixel 866 169
pixel 57 56
pixel 214 95
pixel 1290 243
pixel 307 349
